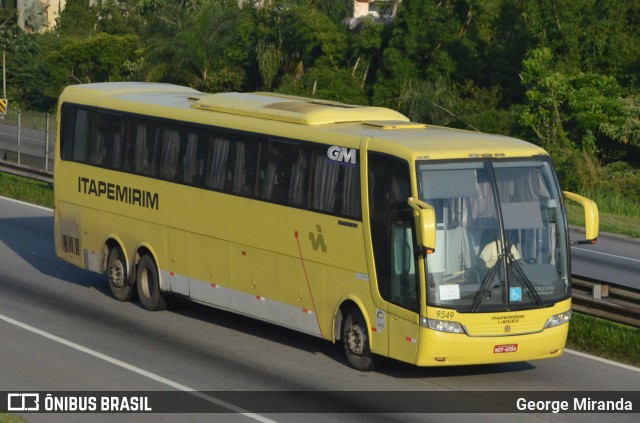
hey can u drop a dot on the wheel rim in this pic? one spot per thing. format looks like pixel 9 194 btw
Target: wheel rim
pixel 116 275
pixel 145 282
pixel 355 340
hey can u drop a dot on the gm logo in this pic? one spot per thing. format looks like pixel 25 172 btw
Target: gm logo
pixel 342 154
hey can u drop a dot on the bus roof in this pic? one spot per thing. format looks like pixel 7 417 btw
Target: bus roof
pixel 388 130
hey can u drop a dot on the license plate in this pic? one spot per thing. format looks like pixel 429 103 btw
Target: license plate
pixel 510 348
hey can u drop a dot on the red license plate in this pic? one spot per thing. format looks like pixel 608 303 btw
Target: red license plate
pixel 509 348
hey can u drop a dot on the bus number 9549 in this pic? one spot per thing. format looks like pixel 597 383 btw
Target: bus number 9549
pixel 445 314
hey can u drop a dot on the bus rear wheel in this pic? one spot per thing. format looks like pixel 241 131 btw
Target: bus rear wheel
pixel 148 285
pixel 119 284
pixel 355 338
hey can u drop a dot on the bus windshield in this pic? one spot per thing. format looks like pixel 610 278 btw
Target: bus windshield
pixel 501 240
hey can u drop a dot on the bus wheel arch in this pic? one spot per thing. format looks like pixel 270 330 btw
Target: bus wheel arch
pixel 115 264
pixel 355 334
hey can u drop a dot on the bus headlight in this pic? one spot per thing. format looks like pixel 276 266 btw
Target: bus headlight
pixel 442 325
pixel 558 319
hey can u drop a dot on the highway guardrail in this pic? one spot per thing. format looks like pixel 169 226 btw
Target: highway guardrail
pixel 606 300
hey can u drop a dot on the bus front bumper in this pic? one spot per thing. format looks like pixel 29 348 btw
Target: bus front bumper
pixel 447 349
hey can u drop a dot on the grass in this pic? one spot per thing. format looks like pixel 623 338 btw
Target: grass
pixel 27 190
pixel 605 339
pixel 10 418
pixel 609 222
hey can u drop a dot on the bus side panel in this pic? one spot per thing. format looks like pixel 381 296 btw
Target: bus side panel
pixel 300 286
pixel 210 270
pixel 67 232
pixel 253 271
pixel 177 264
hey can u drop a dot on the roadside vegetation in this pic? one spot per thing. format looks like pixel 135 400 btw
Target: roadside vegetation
pixel 604 338
pixel 568 81
pixel 27 190
pixel 11 418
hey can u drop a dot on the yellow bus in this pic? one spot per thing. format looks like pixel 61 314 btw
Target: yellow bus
pixel 429 245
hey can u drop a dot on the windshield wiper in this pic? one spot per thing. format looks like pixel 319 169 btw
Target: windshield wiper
pixel 477 300
pixel 521 277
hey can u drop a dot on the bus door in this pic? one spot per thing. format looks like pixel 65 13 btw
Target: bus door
pixel 393 241
pixel 404 289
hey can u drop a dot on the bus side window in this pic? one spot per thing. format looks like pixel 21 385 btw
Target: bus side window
pixel 189 160
pixel 169 154
pixel 141 147
pixel 324 178
pixel 106 149
pixel 244 166
pixel 217 155
pixel 75 137
pixel 334 186
pixel 282 172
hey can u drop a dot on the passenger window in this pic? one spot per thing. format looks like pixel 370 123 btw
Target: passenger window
pixel 192 154
pixel 141 150
pixel 283 172
pixel 106 146
pixel 334 186
pixel 76 133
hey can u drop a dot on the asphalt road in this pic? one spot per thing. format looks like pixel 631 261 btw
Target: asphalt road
pixel 61 330
pixel 613 258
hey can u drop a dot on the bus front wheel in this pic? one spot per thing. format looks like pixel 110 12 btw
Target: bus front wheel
pixel 148 285
pixel 119 284
pixel 355 338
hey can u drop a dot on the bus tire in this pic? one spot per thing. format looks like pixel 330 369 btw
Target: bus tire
pixel 355 338
pixel 119 284
pixel 148 285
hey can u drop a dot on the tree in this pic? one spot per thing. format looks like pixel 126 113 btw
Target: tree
pixel 202 47
pixel 292 37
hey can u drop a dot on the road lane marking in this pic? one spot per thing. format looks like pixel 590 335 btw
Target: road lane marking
pixel 138 370
pixel 26 204
pixel 607 254
pixel 603 360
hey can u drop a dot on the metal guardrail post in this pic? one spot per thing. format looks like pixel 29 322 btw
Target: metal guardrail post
pixel 19 133
pixel 46 146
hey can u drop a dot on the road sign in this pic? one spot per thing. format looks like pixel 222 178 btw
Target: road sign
pixel 3 106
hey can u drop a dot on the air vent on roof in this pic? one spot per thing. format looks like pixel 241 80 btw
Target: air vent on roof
pixel 305 111
pixel 394 124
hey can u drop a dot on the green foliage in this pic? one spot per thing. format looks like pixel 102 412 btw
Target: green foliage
pixel 291 37
pixel 77 19
pixel 199 46
pixel 326 82
pixel 97 58
pixel 564 75
pixel 604 338
pixel 27 190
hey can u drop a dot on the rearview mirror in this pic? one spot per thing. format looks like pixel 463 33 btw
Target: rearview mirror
pixel 425 216
pixel 591 217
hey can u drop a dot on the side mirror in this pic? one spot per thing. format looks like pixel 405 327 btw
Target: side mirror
pixel 591 217
pixel 425 216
